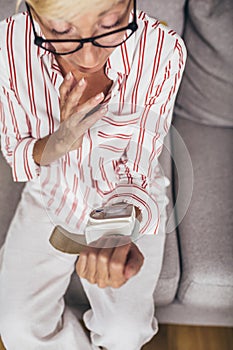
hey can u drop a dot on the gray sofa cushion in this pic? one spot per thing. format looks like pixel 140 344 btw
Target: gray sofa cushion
pixel 205 233
pixel 170 274
pixel 7 8
pixel 207 88
pixel 164 10
pixel 9 197
pixel 167 285
pixel 179 313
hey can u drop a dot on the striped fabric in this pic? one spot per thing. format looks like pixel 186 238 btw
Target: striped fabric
pixel 118 159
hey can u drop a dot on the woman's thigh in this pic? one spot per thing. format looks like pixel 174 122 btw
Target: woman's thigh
pixel 33 275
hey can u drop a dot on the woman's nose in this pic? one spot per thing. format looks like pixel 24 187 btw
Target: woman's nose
pixel 89 55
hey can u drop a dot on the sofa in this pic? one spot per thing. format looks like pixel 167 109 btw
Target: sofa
pixel 196 281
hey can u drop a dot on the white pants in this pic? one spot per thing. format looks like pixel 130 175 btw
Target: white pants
pixel 34 278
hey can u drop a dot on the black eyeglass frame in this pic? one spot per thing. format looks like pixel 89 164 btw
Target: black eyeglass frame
pixel 38 41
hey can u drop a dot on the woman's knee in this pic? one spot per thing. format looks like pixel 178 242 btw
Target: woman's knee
pixel 20 327
pixel 127 334
pixel 15 327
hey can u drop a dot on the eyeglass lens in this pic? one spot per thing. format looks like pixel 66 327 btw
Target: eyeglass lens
pixel 111 40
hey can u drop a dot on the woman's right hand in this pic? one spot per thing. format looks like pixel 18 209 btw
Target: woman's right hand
pixel 74 124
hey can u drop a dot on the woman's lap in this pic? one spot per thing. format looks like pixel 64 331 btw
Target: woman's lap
pixel 35 277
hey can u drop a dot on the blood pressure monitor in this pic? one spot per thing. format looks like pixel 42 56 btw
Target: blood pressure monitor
pixel 116 219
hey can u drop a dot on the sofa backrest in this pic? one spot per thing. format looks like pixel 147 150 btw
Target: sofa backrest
pixel 169 11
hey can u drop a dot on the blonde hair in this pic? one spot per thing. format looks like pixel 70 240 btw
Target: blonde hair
pixel 64 8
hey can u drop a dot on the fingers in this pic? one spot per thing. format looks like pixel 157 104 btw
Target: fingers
pixel 90 104
pixel 70 93
pixel 78 116
pixel 87 122
pixel 81 264
pixel 86 264
pixel 102 273
pixel 134 262
pixel 117 265
pixel 93 264
pixel 74 117
pixel 112 264
pixel 66 87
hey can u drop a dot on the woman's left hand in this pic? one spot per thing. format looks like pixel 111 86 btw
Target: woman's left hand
pixel 110 261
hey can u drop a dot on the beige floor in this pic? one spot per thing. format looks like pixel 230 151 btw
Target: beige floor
pixel 172 337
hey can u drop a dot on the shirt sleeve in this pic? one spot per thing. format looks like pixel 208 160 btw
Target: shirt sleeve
pixel 138 183
pixel 16 141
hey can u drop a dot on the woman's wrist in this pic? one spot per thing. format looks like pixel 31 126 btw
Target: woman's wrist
pixel 49 149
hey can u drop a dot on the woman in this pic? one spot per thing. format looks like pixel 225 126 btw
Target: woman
pixel 87 92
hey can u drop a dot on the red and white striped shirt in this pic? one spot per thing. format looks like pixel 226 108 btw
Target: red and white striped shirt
pixel 118 160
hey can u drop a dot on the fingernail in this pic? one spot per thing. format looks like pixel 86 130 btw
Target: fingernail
pixel 81 82
pixel 99 96
pixel 69 76
pixel 103 110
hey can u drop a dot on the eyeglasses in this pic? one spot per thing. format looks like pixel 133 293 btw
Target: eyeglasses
pixel 68 46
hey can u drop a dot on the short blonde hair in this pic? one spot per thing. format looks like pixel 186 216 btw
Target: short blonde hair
pixel 65 8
